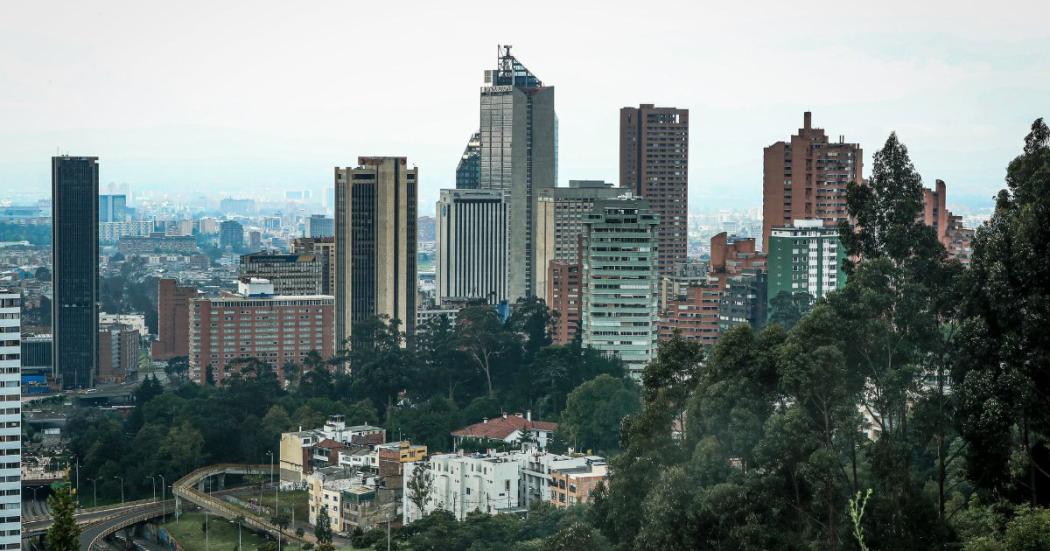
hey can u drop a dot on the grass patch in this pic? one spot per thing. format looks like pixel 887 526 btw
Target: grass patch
pixel 222 534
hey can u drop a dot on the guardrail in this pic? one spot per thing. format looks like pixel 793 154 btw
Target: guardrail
pixel 124 523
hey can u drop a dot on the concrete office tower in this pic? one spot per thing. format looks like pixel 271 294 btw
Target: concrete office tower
pixel 118 352
pixel 559 224
pixel 806 179
pixel 255 323
pixel 74 238
pixel 172 318
pixel 319 225
pixel 620 281
pixel 324 249
pixel 231 234
pixel 10 420
pixel 518 155
pixel 654 163
pixel 112 208
pixel 290 274
pixel 805 258
pixel 375 243
pixel 468 171
pixel 471 236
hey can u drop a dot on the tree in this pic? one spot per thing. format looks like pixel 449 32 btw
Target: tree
pixel 419 486
pixel 323 528
pixel 594 410
pixel 483 338
pixel 787 308
pixel 64 534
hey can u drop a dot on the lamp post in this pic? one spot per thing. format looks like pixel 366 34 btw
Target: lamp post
pixel 121 489
pixel 206 543
pixel 163 500
pixel 94 492
pixel 153 483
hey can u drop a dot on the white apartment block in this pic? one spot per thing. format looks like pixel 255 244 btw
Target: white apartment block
pixel 10 421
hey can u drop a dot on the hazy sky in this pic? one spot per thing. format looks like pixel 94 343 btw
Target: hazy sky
pixel 249 98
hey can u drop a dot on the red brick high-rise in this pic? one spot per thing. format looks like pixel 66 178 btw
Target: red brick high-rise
pixel 654 164
pixel 564 296
pixel 173 317
pixel 806 178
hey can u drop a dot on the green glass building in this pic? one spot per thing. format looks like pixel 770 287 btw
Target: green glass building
pixel 805 258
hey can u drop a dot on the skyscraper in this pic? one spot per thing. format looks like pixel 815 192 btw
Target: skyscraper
pixel 805 257
pixel 806 178
pixel 74 238
pixel 10 420
pixel 620 281
pixel 172 318
pixel 375 241
pixel 472 245
pixel 324 249
pixel 231 234
pixel 468 171
pixel 654 163
pixel 112 208
pixel 518 155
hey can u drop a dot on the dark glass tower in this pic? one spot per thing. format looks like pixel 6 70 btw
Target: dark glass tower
pixel 468 171
pixel 74 238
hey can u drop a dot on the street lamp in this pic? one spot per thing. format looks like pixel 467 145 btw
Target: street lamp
pixel 153 482
pixel 163 500
pixel 121 489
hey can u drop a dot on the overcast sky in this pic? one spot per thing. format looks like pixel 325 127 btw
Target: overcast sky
pixel 250 98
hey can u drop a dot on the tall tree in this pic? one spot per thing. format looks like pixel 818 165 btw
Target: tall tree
pixel 64 534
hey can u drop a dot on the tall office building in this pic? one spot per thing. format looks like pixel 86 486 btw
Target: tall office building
pixel 10 420
pixel 806 178
pixel 112 208
pixel 231 234
pixel 654 163
pixel 74 238
pixel 319 225
pixel 805 257
pixel 471 232
pixel 559 224
pixel 620 281
pixel 324 249
pixel 290 274
pixel 375 243
pixel 172 318
pixel 518 155
pixel 468 171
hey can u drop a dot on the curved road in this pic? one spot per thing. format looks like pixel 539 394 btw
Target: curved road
pixel 96 532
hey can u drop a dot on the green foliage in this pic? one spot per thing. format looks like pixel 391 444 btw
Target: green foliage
pixel 64 534
pixel 591 420
pixel 323 528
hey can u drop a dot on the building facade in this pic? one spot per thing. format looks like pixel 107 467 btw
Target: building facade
pixel 231 235
pixel 257 324
pixel 118 352
pixel 805 257
pixel 471 236
pixel 559 223
pixel 957 240
pixel 112 208
pixel 518 155
pixel 805 178
pixel 10 420
pixel 324 249
pixel 468 171
pixel 565 298
pixel 319 225
pixel 654 163
pixel 173 317
pixel 290 274
pixel 620 281
pixel 74 238
pixel 375 241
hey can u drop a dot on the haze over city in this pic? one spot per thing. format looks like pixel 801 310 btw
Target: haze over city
pixel 251 99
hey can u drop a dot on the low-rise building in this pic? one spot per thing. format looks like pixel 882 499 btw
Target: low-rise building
pixel 352 499
pixel 509 429
pixel 571 485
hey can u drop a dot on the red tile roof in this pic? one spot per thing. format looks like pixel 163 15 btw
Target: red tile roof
pixel 330 444
pixel 502 427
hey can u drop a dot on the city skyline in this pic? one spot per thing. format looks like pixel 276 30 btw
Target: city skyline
pixel 271 114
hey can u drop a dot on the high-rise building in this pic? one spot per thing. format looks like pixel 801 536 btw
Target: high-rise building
pixel 654 163
pixel 254 240
pixel 518 155
pixel 319 225
pixel 468 171
pixel 118 352
pixel 230 206
pixel 324 249
pixel 173 302
pixel 375 242
pixel 565 298
pixel 957 240
pixel 255 323
pixel 805 257
pixel 806 178
pixel 74 238
pixel 231 234
pixel 10 420
pixel 743 301
pixel 559 224
pixel 290 274
pixel 472 245
pixel 112 208
pixel 620 281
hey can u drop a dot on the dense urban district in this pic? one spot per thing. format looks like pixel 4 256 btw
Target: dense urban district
pixel 588 367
